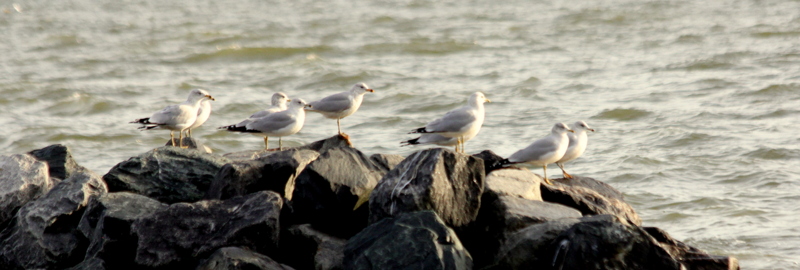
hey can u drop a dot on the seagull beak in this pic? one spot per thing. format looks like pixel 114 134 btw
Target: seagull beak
pixel 287 100
pixel 210 97
pixel 487 100
pixel 571 130
pixel 370 90
pixel 591 129
pixel 308 105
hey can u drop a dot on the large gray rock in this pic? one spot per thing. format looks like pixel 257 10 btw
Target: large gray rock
pixel 528 248
pixel 591 197
pixel 59 161
pixel 435 179
pixel 491 161
pixel 691 257
pixel 168 174
pixel 386 162
pixel 235 258
pixel 306 248
pixel 515 182
pixel 270 172
pixel 416 240
pixel 45 231
pixel 179 235
pixel 22 179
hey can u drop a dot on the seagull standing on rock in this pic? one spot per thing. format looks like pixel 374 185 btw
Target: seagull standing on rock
pixel 545 150
pixel 341 105
pixel 460 122
pixel 278 124
pixel 202 116
pixel 176 117
pixel 577 145
pixel 278 104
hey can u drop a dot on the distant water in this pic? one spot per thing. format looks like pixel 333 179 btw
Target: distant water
pixel 696 103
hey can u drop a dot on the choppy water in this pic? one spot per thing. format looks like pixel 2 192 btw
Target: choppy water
pixel 696 103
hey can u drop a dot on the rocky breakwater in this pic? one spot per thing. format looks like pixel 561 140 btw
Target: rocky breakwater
pixel 325 205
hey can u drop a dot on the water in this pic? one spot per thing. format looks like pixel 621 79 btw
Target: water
pixel 696 103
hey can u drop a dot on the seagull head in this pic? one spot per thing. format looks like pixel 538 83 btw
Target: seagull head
pixel 581 125
pixel 280 99
pixel 199 94
pixel 478 98
pixel 560 128
pixel 360 88
pixel 299 103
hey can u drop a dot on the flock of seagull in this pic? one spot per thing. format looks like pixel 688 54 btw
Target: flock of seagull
pixel 286 117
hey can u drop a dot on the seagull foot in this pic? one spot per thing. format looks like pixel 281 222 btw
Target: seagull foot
pixel 567 176
pixel 548 181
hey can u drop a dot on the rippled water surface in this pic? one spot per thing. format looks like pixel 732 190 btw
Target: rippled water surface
pixel 696 103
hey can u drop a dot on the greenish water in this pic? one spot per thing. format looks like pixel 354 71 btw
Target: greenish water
pixel 695 103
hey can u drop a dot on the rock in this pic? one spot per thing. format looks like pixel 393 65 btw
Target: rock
pixel 386 162
pixel 415 240
pixel 528 248
pixel 107 223
pixel 271 172
pixel 691 257
pixel 179 235
pixel 22 179
pixel 435 179
pixel 247 155
pixel 491 161
pixel 306 248
pixel 235 258
pixel 91 264
pixel 59 161
pixel 45 232
pixel 591 197
pixel 332 187
pixel 168 174
pixel 190 143
pixel 337 141
pixel 514 182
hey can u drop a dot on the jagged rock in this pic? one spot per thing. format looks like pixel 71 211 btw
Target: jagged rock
pixel 386 162
pixel 168 174
pixel 589 196
pixel 528 248
pixel 515 182
pixel 235 258
pixel 306 248
pixel 415 240
pixel 59 160
pixel 45 232
pixel 435 179
pixel 91 264
pixel 107 223
pixel 179 235
pixel 333 187
pixel 337 141
pixel 691 257
pixel 271 172
pixel 491 161
pixel 22 179
pixel 190 143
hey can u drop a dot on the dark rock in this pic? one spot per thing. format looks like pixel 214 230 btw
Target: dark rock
pixel 235 258
pixel 386 162
pixel 189 143
pixel 91 264
pixel 333 187
pixel 589 196
pixel 337 141
pixel 168 174
pixel 691 257
pixel 435 179
pixel 59 161
pixel 107 223
pixel 416 240
pixel 45 232
pixel 306 248
pixel 271 172
pixel 528 248
pixel 491 161
pixel 22 179
pixel 183 232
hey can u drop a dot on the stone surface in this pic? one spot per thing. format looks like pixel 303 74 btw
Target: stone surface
pixel 306 248
pixel 270 172
pixel 589 196
pixel 183 233
pixel 190 143
pixel 45 232
pixel 435 179
pixel 516 182
pixel 59 161
pixel 235 258
pixel 528 248
pixel 416 240
pixel 691 257
pixel 336 141
pixel 168 174
pixel 22 179
pixel 491 161
pixel 386 162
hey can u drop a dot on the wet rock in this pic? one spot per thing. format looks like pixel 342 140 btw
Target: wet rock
pixel 270 172
pixel 514 182
pixel 491 161
pixel 415 240
pixel 59 161
pixel 168 174
pixel 337 141
pixel 691 257
pixel 333 187
pixel 386 162
pixel 22 179
pixel 179 235
pixel 435 179
pixel 45 233
pixel 589 196
pixel 235 258
pixel 527 248
pixel 307 248
pixel 190 143
pixel 91 264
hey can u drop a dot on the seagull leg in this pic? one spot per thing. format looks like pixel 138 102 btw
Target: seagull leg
pixel 461 141
pixel 338 126
pixel 188 133
pixel 566 175
pixel 266 142
pixel 545 175
pixel 280 143
pixel 171 138
pixel 180 139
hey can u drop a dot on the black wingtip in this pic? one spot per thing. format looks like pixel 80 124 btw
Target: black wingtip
pixel 142 121
pixel 234 128
pixel 418 130
pixel 500 164
pixel 410 142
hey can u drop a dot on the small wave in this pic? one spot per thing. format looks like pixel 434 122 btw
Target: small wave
pixel 238 54
pixel 775 90
pixel 421 46
pixel 719 61
pixel 774 153
pixel 622 114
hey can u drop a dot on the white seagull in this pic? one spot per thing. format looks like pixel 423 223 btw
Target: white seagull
pixel 278 104
pixel 460 122
pixel 278 124
pixel 577 145
pixel 176 117
pixel 545 150
pixel 202 116
pixel 437 139
pixel 341 105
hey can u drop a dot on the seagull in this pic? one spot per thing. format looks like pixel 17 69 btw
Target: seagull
pixel 437 139
pixel 278 104
pixel 202 116
pixel 577 145
pixel 545 150
pixel 341 105
pixel 176 117
pixel 460 122
pixel 277 124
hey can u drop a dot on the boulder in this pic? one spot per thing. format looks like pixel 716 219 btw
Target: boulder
pixel 515 182
pixel 45 232
pixel 270 172
pixel 386 162
pixel 330 190
pixel 435 179
pixel 527 248
pixel 22 179
pixel 691 257
pixel 589 196
pixel 415 240
pixel 306 248
pixel 179 235
pixel 336 141
pixel 91 264
pixel 168 174
pixel 190 143
pixel 59 161
pixel 235 258
pixel 491 161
